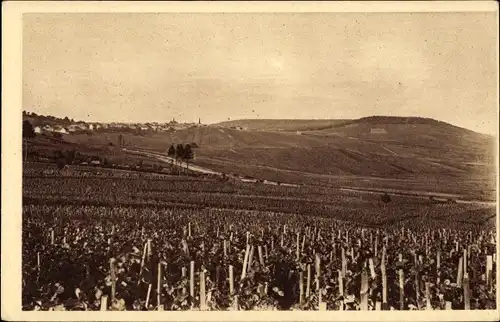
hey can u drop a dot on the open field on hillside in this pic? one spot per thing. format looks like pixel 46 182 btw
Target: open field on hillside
pixel 424 157
pixel 282 125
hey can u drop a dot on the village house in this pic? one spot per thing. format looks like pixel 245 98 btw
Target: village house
pixel 60 129
pixel 73 127
pixel 81 126
pixel 37 129
pixel 48 128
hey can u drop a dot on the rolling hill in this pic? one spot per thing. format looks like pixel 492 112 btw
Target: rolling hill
pixel 291 125
pixel 385 151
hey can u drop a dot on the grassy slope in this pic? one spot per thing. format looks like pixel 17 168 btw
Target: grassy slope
pixel 425 153
pixel 281 125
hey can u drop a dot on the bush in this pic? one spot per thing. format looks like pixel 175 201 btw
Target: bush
pixel 385 198
pixel 61 163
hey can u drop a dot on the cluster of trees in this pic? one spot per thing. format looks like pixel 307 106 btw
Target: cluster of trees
pixel 48 118
pixel 28 131
pixel 181 152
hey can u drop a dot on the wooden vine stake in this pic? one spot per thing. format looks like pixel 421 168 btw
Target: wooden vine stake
pixel 191 280
pixel 245 263
pixel 301 286
pixel 438 266
pixel 225 248
pixel 465 260
pixel 363 294
pixel 52 237
pixel 203 296
pixel 158 287
pixel 318 281
pixel 344 263
pixel 250 259
pixel 460 273
pixel 189 229
pixel 308 285
pixel 466 291
pixel 235 303
pixel 261 256
pixel 384 279
pixel 372 268
pixel 318 272
pixel 113 279
pixel 231 280
pixel 38 261
pixel 417 290
pixel 143 259
pixel 428 305
pixel 401 289
pixel 148 296
pixel 297 252
pixel 341 288
pixel 149 249
pixel 489 269
pixel 104 303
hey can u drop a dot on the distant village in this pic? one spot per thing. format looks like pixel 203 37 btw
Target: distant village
pixel 45 124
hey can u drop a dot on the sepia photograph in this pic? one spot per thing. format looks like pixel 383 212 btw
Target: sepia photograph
pixel 255 160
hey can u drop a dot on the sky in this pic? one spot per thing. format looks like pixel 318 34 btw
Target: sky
pixel 139 67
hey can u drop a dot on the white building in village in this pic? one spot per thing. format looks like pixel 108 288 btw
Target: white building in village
pixel 378 131
pixel 60 129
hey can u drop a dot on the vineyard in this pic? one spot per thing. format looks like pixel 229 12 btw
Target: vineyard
pixel 122 240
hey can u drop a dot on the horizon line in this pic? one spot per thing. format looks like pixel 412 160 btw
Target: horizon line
pixel 270 119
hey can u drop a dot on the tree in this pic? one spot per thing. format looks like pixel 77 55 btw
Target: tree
pixel 179 153
pixel 28 131
pixel 188 155
pixel 61 163
pixel 386 198
pixel 70 156
pixel 171 152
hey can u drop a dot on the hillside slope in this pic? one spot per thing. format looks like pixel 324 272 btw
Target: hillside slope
pixel 291 125
pixel 398 149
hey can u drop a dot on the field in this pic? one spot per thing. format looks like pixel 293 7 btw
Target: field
pixel 414 154
pixel 282 125
pixel 129 240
